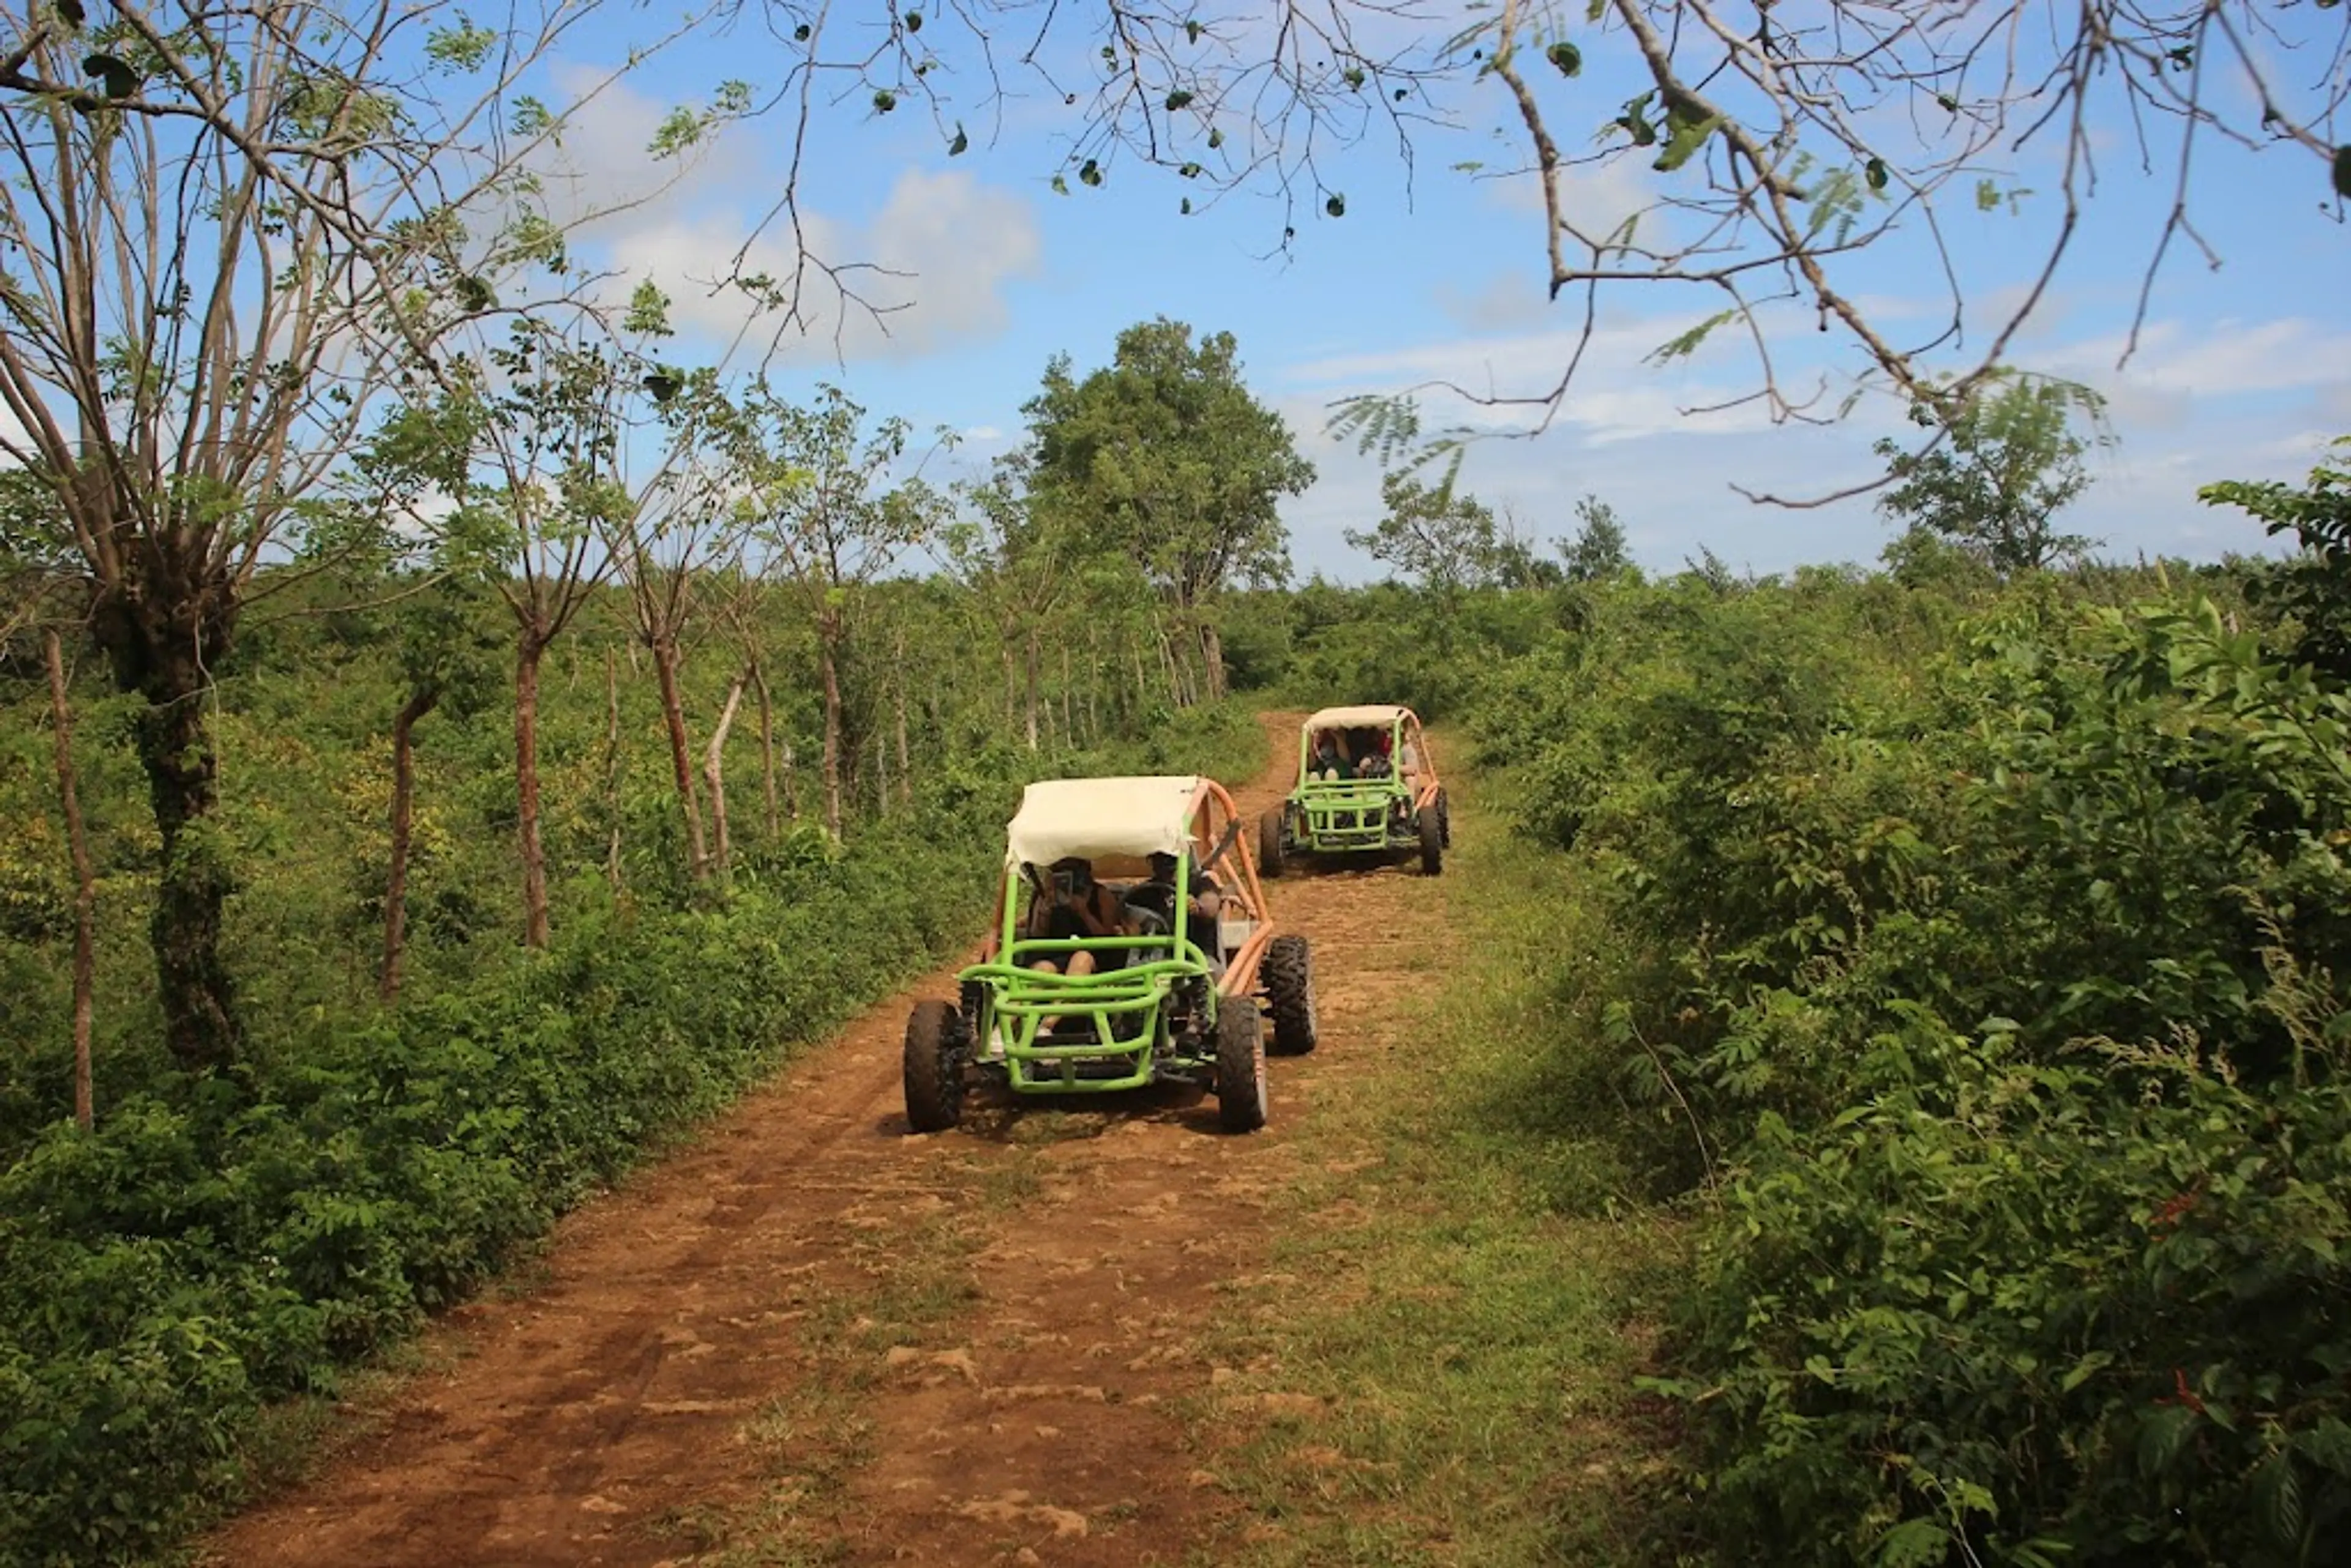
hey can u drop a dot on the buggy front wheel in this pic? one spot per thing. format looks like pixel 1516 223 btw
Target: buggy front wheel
pixel 935 1048
pixel 1240 1065
pixel 1268 841
pixel 1290 995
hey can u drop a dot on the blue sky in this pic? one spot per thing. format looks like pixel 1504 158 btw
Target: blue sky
pixel 2244 372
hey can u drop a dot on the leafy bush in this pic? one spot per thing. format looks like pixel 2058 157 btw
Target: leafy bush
pixel 214 1246
pixel 1979 956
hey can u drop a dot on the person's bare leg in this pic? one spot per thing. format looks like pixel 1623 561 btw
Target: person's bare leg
pixel 1082 962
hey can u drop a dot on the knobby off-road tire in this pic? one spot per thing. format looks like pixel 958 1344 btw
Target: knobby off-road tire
pixel 1269 843
pixel 1289 990
pixel 936 1045
pixel 1432 841
pixel 1444 820
pixel 1240 1065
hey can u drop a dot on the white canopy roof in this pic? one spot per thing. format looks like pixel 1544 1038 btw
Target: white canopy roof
pixel 1095 817
pixel 1356 717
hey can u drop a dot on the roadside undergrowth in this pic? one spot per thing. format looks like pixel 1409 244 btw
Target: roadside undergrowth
pixel 1441 1360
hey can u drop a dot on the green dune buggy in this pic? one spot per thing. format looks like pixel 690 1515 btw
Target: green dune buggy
pixel 1366 786
pixel 1132 946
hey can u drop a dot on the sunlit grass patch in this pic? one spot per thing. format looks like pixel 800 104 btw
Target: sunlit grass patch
pixel 1456 1383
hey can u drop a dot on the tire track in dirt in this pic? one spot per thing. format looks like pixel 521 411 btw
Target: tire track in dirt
pixel 659 1380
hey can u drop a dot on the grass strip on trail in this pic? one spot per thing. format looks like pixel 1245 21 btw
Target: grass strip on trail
pixel 1442 1357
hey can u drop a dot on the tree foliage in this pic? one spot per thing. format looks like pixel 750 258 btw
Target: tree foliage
pixel 1439 537
pixel 2311 589
pixel 2004 463
pixel 1165 456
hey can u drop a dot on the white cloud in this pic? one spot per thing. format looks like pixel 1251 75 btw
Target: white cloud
pixel 2230 357
pixel 927 269
pixel 1617 394
pixel 2194 407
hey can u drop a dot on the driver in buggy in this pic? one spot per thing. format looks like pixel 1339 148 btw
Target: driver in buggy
pixel 1203 905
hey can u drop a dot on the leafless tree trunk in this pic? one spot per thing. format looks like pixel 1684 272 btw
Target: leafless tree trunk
pixel 613 766
pixel 528 650
pixel 404 789
pixel 85 881
pixel 898 701
pixel 791 780
pixel 828 670
pixel 1212 658
pixel 1068 724
pixel 714 767
pixel 767 750
pixel 1093 687
pixel 1031 668
pixel 697 853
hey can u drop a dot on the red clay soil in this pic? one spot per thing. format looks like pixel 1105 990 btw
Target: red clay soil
pixel 633 1408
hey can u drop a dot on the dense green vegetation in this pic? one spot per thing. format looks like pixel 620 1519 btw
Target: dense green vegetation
pixel 1969 977
pixel 406 1070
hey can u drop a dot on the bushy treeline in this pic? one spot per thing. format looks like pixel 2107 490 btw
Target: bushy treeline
pixel 1975 983
pixel 220 1242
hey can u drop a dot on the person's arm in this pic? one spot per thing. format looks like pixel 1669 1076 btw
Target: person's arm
pixel 1208 900
pixel 1100 912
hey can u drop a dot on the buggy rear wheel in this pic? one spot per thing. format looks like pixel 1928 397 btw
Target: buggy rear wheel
pixel 1268 841
pixel 1240 1065
pixel 1432 841
pixel 1289 990
pixel 936 1045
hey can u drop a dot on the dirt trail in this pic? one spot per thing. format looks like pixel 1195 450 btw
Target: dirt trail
pixel 811 1336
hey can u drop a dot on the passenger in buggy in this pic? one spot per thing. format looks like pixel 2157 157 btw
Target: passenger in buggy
pixel 1071 905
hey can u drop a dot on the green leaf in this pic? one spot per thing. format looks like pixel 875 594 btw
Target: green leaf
pixel 1215 137
pixel 71 10
pixel 1336 205
pixel 884 102
pixel 2277 1492
pixel 1356 77
pixel 914 21
pixel 1913 1544
pixel 1060 187
pixel 2343 170
pixel 1177 100
pixel 1567 58
pixel 1875 170
pixel 2085 1369
pixel 800 34
pixel 1686 139
pixel 1687 344
pixel 1090 173
pixel 1192 32
pixel 1186 208
pixel 663 384
pixel 961 144
pixel 1189 171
